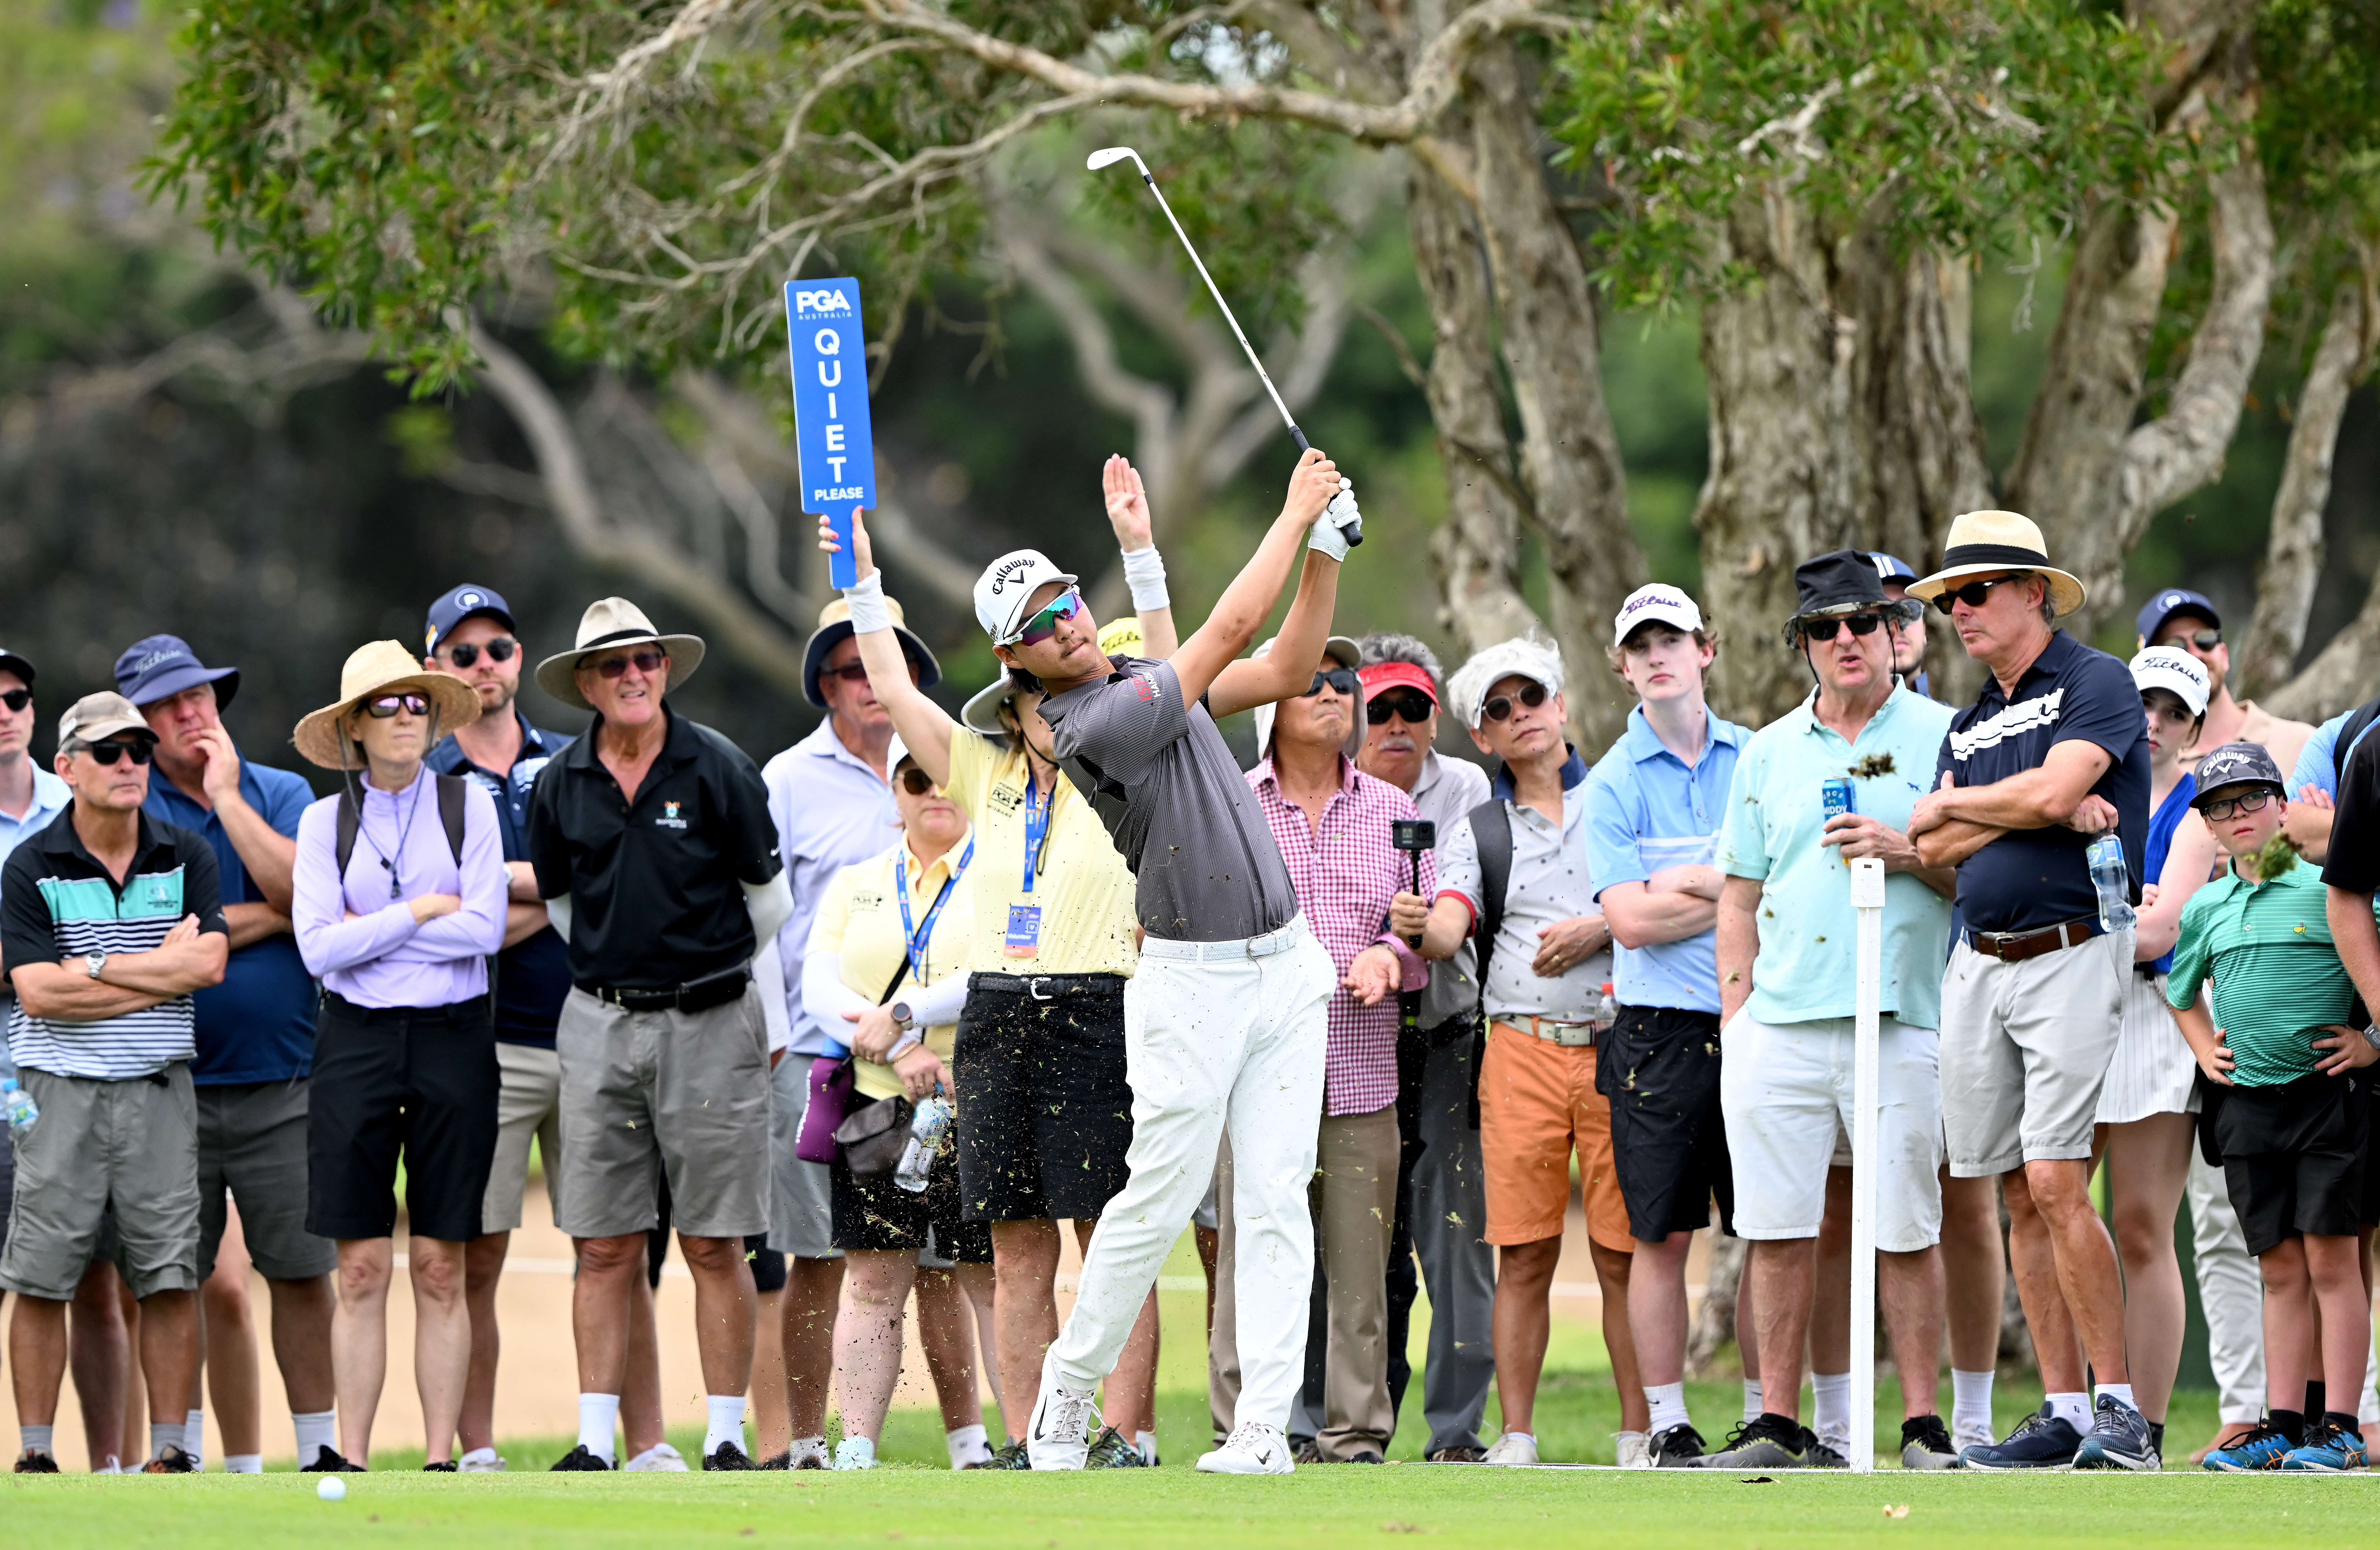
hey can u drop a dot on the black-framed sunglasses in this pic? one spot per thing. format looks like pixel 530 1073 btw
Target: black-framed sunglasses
pixel 1826 630
pixel 1410 706
pixel 107 753
pixel 384 706
pixel 501 649
pixel 17 699
pixel 2205 639
pixel 916 782
pixel 2224 807
pixel 856 672
pixel 647 661
pixel 1974 593
pixel 1344 679
pixel 1905 610
pixel 1500 707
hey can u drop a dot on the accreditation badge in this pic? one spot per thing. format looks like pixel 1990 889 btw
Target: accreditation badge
pixel 1023 939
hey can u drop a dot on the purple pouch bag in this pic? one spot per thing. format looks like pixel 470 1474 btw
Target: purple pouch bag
pixel 830 1097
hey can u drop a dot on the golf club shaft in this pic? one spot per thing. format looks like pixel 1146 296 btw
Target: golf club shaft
pixel 1286 417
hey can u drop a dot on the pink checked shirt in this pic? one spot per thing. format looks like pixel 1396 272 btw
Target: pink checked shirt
pixel 1344 874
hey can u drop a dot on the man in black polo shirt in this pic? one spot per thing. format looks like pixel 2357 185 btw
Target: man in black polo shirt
pixel 657 858
pixel 2053 752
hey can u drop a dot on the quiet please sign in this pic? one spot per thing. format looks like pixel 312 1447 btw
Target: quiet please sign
pixel 831 429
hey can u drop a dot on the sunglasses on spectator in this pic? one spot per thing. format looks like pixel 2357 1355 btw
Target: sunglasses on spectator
pixel 387 706
pixel 1500 707
pixel 1905 611
pixel 501 649
pixel 1344 679
pixel 1044 624
pixel 856 672
pixel 916 782
pixel 2205 639
pixel 107 753
pixel 2224 807
pixel 1411 707
pixel 17 699
pixel 1974 593
pixel 647 661
pixel 1826 630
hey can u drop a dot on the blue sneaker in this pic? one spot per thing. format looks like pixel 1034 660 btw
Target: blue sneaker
pixel 2041 1441
pixel 2263 1448
pixel 2329 1451
pixel 2119 1439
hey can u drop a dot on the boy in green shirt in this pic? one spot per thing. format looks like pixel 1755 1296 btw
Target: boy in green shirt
pixel 2292 1124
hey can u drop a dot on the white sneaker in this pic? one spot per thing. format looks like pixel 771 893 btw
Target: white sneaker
pixel 854 1453
pixel 480 1460
pixel 1512 1448
pixel 1253 1448
pixel 1973 1434
pixel 1635 1450
pixel 1059 1435
pixel 660 1458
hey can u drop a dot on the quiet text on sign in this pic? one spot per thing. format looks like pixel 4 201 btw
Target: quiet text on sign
pixel 836 447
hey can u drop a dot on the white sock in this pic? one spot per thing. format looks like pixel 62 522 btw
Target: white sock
pixel 726 1422
pixel 808 1447
pixel 478 1456
pixel 2119 1390
pixel 2072 1408
pixel 1832 1414
pixel 1669 1403
pixel 194 1437
pixel 318 1431
pixel 1753 1404
pixel 598 1414
pixel 854 1453
pixel 1971 1398
pixel 38 1439
pixel 1529 1437
pixel 166 1434
pixel 967 1446
pixel 1147 1443
pixel 243 1463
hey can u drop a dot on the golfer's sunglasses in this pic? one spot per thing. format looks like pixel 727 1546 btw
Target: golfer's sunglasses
pixel 107 753
pixel 1411 707
pixel 2224 807
pixel 501 649
pixel 1500 707
pixel 1344 679
pixel 17 699
pixel 388 704
pixel 1826 630
pixel 1043 624
pixel 1974 593
pixel 646 662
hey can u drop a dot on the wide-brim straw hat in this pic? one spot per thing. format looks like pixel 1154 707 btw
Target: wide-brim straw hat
pixel 383 667
pixel 834 629
pixel 1984 542
pixel 609 622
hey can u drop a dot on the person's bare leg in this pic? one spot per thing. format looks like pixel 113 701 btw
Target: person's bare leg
pixel 946 1333
pixel 1128 1399
pixel 1519 1322
pixel 302 1311
pixel 227 1330
pixel 360 1339
pixel 978 1282
pixel 601 1310
pixel 1909 1298
pixel 2085 1260
pixel 2290 1356
pixel 169 1351
pixel 135 1411
pixel 813 1286
pixel 727 1310
pixel 1210 1244
pixel 1024 1304
pixel 2333 1264
pixel 1783 1276
pixel 2148 1165
pixel 99 1349
pixel 770 1433
pixel 2055 1348
pixel 640 1383
pixel 1974 1271
pixel 868 1336
pixel 442 1338
pixel 483 1269
pixel 1613 1269
pixel 37 1355
pixel 1830 1301
pixel 1656 1307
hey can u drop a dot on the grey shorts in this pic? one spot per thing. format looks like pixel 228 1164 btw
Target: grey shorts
pixel 801 1199
pixel 529 1108
pixel 648 1092
pixel 134 1141
pixel 2025 1049
pixel 252 1148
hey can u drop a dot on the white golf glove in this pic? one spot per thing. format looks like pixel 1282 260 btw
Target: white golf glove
pixel 1341 518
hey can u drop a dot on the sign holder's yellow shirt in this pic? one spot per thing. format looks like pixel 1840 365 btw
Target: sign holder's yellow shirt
pixel 1082 890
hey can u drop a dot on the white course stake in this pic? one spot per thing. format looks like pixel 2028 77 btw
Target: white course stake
pixel 1867 898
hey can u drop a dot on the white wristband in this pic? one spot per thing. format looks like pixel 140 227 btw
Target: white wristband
pixel 1144 572
pixel 867 599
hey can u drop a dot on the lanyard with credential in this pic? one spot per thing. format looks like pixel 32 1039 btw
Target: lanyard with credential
pixel 1037 828
pixel 917 936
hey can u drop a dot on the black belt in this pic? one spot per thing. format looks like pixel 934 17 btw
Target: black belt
pixel 695 995
pixel 1048 987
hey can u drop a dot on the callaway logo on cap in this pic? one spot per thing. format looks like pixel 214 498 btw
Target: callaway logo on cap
pixel 1659 601
pixel 1007 584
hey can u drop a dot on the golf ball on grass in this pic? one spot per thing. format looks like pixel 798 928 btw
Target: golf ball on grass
pixel 332 1488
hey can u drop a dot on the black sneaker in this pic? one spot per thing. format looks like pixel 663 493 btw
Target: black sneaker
pixel 1820 1453
pixel 1680 1448
pixel 444 1466
pixel 1112 1450
pixel 1926 1444
pixel 2041 1441
pixel 778 1460
pixel 328 1461
pixel 1366 1457
pixel 1009 1456
pixel 580 1458
pixel 173 1461
pixel 727 1456
pixel 2118 1440
pixel 1765 1442
pixel 34 1461
pixel 1308 1450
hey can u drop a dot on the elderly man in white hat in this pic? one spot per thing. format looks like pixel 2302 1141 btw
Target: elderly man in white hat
pixel 658 864
pixel 2053 753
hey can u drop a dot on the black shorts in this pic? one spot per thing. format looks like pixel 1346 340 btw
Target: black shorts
pixel 2293 1157
pixel 1660 1067
pixel 1045 1109
pixel 419 1081
pixel 2371 1211
pixel 878 1214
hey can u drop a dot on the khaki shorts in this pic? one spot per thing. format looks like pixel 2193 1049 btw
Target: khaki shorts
pixel 137 1141
pixel 2025 1049
pixel 252 1153
pixel 529 1108
pixel 648 1092
pixel 1537 1103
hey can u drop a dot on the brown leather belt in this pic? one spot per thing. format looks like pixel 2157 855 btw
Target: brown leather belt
pixel 2015 947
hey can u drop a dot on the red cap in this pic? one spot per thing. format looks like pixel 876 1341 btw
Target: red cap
pixel 1394 675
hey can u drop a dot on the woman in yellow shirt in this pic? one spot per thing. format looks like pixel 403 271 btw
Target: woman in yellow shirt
pixel 889 954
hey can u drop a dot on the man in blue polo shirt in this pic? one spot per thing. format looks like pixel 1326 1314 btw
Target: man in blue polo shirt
pixel 255 1031
pixel 2053 752
pixel 1655 804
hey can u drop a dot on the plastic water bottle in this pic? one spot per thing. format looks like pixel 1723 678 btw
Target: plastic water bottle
pixel 926 1129
pixel 1606 1008
pixel 2109 875
pixel 22 1110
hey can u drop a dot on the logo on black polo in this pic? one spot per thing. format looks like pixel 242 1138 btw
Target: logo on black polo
pixel 671 818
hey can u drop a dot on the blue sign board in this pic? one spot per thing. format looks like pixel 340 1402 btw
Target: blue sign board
pixel 831 428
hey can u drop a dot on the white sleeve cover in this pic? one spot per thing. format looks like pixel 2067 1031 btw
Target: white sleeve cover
pixel 769 973
pixel 939 1003
pixel 771 905
pixel 557 909
pixel 826 997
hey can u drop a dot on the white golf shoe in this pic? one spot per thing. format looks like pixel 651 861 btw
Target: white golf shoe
pixel 660 1458
pixel 1512 1448
pixel 1059 1435
pixel 1253 1448
pixel 1635 1450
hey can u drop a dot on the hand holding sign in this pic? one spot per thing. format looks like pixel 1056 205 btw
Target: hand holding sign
pixel 844 538
pixel 832 431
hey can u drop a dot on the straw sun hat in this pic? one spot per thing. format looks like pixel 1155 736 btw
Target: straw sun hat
pixel 1984 542
pixel 383 667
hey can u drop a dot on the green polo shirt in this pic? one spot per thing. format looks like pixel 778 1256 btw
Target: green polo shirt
pixel 2278 979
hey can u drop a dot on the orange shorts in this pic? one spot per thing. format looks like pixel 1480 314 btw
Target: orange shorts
pixel 1537 1103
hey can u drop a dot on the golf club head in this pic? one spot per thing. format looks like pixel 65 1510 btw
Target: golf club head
pixel 1111 155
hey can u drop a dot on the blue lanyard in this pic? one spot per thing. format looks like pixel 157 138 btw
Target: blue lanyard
pixel 1037 828
pixel 918 936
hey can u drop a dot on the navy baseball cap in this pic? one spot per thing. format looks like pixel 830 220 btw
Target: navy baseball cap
pixel 1890 568
pixel 163 666
pixel 2172 601
pixel 12 663
pixel 460 605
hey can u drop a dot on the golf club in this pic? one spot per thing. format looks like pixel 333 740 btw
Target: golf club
pixel 1352 530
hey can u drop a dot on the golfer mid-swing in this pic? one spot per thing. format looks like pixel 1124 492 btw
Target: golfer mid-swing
pixel 1223 1017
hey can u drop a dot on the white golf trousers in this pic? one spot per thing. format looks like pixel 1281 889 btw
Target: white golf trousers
pixel 1216 1038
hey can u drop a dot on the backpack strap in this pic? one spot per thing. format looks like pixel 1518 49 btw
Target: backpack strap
pixel 451 789
pixel 2355 726
pixel 1491 832
pixel 350 821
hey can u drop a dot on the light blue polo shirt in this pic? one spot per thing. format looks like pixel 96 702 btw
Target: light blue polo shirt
pixel 1808 969
pixel 1647 809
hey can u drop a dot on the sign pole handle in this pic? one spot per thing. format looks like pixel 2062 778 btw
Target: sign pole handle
pixel 1867 898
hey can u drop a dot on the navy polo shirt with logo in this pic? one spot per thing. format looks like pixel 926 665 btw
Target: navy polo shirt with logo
pixel 655 882
pixel 2032 878
pixel 533 975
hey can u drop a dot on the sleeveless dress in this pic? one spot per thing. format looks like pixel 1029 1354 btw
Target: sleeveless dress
pixel 2153 1071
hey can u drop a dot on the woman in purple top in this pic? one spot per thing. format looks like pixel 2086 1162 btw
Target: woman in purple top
pixel 399 890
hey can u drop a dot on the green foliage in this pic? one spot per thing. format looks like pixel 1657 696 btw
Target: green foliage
pixel 1964 123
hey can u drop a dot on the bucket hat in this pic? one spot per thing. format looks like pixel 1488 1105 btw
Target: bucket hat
pixel 382 667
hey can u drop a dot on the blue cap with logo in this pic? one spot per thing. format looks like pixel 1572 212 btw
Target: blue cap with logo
pixel 161 666
pixel 2172 601
pixel 459 604
pixel 1892 568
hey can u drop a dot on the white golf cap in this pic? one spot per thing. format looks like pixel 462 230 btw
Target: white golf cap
pixel 2174 671
pixel 1524 656
pixel 1657 600
pixel 1007 584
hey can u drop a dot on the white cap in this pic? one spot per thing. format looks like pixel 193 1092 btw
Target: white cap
pixel 1656 600
pixel 1005 586
pixel 1337 648
pixel 1526 657
pixel 894 752
pixel 2174 671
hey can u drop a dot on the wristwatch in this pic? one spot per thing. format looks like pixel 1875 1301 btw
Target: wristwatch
pixel 2372 1035
pixel 94 962
pixel 902 1018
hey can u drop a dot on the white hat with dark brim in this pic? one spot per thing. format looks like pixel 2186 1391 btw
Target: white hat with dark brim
pixel 1987 542
pixel 382 667
pixel 2174 671
pixel 609 622
pixel 1338 649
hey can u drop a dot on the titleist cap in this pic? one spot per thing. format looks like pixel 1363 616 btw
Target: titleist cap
pixel 1659 601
